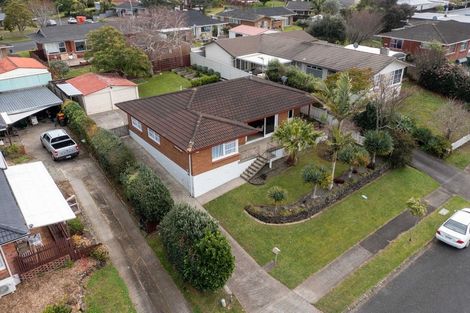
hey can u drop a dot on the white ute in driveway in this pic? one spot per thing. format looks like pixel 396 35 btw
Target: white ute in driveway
pixel 59 144
pixel 456 231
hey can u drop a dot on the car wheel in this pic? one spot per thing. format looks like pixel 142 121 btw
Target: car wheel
pixel 53 158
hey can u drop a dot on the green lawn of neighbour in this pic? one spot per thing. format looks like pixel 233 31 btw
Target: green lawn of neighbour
pixel 269 4
pixel 379 267
pixel 292 28
pixel 214 10
pixel 207 302
pixel 106 292
pixel 460 157
pixel 15 36
pixel 307 247
pixel 422 105
pixel 78 70
pixel 162 83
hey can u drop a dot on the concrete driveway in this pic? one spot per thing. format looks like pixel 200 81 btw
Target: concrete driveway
pixel 437 281
pixel 150 287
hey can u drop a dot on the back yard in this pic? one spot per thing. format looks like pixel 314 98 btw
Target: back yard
pixel 162 83
pixel 308 246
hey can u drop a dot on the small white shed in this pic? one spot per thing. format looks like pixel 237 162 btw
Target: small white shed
pixel 100 92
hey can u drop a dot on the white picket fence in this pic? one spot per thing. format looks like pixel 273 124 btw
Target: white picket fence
pixel 226 71
pixel 461 142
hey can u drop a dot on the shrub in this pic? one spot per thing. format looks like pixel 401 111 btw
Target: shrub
pixel 100 254
pixel 146 192
pixel 422 135
pixel 295 77
pixel 329 28
pixel 403 145
pixel 435 145
pixel 113 156
pixel 79 122
pixel 76 226
pixel 196 248
pixel 204 80
pixel 59 69
pixel 13 151
pixel 57 308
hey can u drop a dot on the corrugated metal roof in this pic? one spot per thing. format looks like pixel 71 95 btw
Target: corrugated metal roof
pixel 25 100
pixel 69 89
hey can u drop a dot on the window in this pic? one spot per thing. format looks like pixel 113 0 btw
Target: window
pixel 80 45
pixel 290 114
pixel 234 21
pixel 224 150
pixel 397 76
pixel 62 48
pixel 206 29
pixel 463 46
pixel 456 226
pixel 136 124
pixel 451 49
pixel 153 135
pixel 2 263
pixel 396 43
pixel 315 71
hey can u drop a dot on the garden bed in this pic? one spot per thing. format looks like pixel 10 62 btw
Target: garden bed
pixel 308 206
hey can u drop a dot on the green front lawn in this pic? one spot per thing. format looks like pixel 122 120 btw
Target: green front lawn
pixel 460 157
pixel 422 105
pixel 106 292
pixel 201 302
pixel 379 267
pixel 163 83
pixel 307 247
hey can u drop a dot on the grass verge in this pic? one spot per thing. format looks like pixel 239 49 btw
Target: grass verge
pixel 106 292
pixel 380 266
pixel 162 83
pixel 460 157
pixel 207 302
pixel 307 247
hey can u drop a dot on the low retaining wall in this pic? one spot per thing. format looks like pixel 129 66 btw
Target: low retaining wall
pixel 45 268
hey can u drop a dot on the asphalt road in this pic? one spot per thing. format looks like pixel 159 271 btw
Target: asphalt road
pixel 437 282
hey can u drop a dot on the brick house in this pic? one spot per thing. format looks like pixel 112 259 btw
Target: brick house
pixel 209 135
pixel 270 18
pixel 65 42
pixel 33 236
pixel 454 37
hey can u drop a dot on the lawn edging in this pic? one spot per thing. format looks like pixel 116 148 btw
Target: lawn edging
pixel 384 264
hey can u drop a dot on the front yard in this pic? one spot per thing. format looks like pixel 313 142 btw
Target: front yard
pixel 162 83
pixel 308 246
pixel 460 157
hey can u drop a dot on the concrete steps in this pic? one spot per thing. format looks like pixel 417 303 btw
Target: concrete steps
pixel 254 168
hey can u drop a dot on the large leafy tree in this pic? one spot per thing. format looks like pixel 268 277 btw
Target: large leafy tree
pixel 341 99
pixel 354 156
pixel 329 28
pixel 317 176
pixel 295 136
pixel 110 52
pixel 18 16
pixel 378 142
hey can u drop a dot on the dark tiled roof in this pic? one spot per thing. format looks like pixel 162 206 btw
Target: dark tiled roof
pixel 446 32
pixel 205 116
pixel 254 14
pixel 64 32
pixel 3 124
pixel 299 5
pixel 199 19
pixel 300 46
pixel 12 223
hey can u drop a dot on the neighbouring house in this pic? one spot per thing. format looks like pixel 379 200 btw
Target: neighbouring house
pixel 245 30
pixel 271 18
pixel 318 58
pixel 385 51
pixel 202 26
pixel 422 5
pixel 209 135
pixel 65 43
pixel 33 233
pixel 129 8
pixel 461 15
pixel 452 35
pixel 23 88
pixel 99 93
pixel 302 9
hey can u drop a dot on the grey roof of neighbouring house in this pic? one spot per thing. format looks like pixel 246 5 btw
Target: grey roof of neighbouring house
pixel 12 223
pixel 446 32
pixel 19 101
pixel 63 32
pixel 199 19
pixel 254 14
pixel 301 47
pixel 299 5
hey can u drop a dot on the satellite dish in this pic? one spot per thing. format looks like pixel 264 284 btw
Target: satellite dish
pixel 356 45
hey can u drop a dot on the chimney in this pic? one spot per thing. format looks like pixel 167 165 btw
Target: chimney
pixel 385 51
pixel 4 51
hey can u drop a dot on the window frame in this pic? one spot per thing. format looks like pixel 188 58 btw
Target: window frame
pixel 84 44
pixel 454 49
pixel 394 75
pixel 62 48
pixel 149 130
pixel 224 152
pixel 314 69
pixel 462 45
pixel 135 122
pixel 3 263
pixel 394 43
pixel 290 114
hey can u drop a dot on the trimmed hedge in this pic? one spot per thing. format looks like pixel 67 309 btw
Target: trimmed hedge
pixel 196 247
pixel 204 80
pixel 78 121
pixel 146 192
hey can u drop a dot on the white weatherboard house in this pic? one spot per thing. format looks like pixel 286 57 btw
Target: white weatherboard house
pixel 99 93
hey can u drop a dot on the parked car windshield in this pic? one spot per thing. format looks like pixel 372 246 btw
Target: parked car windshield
pixel 63 144
pixel 60 138
pixel 456 226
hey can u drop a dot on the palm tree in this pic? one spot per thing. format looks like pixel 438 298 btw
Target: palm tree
pixel 378 142
pixel 296 135
pixel 354 156
pixel 277 195
pixel 316 175
pixel 337 142
pixel 340 99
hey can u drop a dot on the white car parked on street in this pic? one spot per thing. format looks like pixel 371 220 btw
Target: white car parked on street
pixel 456 231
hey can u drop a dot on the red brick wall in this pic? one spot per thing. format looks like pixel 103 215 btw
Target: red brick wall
pixel 9 250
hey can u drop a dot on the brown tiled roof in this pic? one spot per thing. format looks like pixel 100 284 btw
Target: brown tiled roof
pixel 301 47
pixel 205 116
